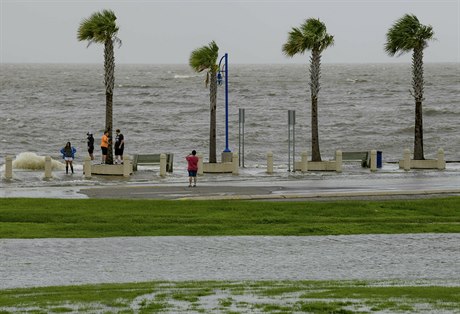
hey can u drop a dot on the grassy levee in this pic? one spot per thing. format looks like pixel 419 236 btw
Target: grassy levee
pixel 92 218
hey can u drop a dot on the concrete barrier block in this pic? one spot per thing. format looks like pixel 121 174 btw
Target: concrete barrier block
pixel 200 164
pixel 304 161
pixel 218 167
pixel 162 165
pixel 87 167
pixel 9 167
pixel 269 162
pixel 338 160
pixel 127 166
pixel 441 159
pixel 406 159
pixel 373 160
pixel 236 162
pixel 48 167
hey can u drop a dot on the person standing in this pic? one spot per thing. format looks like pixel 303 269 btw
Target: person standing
pixel 90 142
pixel 192 168
pixel 119 147
pixel 105 146
pixel 68 154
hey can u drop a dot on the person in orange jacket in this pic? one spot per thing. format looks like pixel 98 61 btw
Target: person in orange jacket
pixel 105 146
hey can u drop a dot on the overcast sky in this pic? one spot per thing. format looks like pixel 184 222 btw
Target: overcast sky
pixel 158 32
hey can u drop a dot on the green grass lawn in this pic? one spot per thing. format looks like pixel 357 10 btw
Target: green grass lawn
pixel 236 297
pixel 41 218
pixel 92 218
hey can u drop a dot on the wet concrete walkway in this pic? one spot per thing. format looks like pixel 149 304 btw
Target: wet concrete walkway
pixel 298 187
pixel 250 184
pixel 46 262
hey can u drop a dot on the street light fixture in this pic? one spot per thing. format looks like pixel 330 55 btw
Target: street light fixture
pixel 219 82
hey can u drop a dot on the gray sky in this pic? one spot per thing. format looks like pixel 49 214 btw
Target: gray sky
pixel 37 31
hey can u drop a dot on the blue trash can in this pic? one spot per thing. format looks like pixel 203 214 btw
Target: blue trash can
pixel 379 159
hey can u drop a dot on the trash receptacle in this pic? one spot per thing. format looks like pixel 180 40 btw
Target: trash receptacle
pixel 379 159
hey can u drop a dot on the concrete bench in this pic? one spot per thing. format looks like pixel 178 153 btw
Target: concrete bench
pixel 362 157
pixel 152 159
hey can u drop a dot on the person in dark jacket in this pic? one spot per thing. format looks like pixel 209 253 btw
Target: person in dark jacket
pixel 90 142
pixel 119 147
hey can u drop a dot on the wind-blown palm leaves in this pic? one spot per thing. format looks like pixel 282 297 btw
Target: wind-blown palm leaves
pixel 408 34
pixel 205 58
pixel 311 35
pixel 101 28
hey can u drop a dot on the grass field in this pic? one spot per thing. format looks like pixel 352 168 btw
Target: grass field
pixel 91 218
pixel 236 297
pixel 42 218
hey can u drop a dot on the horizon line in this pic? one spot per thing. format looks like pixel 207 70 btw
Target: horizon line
pixel 236 63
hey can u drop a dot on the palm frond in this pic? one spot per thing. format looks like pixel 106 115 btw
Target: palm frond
pixel 311 35
pixel 204 58
pixel 295 43
pixel 407 34
pixel 99 27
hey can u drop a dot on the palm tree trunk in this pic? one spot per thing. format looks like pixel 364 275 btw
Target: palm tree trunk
pixel 212 123
pixel 315 153
pixel 108 126
pixel 418 140
pixel 417 84
pixel 109 67
pixel 315 71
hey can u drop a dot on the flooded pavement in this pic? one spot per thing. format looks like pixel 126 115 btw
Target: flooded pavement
pixel 47 262
pixel 251 183
pixel 340 187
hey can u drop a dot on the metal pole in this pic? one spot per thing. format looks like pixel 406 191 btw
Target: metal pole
pixel 239 135
pixel 289 140
pixel 226 103
pixel 293 139
pixel 242 155
pixel 241 121
pixel 227 150
pixel 291 121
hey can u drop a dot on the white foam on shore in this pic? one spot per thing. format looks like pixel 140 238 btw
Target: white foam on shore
pixel 43 192
pixel 32 161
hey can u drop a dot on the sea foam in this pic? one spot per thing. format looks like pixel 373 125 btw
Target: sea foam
pixel 32 161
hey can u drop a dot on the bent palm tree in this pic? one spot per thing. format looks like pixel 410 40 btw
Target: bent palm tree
pixel 407 34
pixel 311 35
pixel 205 58
pixel 100 27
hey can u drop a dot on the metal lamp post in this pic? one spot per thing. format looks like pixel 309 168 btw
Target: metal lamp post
pixel 225 157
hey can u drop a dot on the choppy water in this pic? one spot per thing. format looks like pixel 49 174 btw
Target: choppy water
pixel 165 108
pixel 45 262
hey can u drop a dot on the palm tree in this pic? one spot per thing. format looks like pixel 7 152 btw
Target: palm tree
pixel 311 35
pixel 407 34
pixel 205 58
pixel 100 27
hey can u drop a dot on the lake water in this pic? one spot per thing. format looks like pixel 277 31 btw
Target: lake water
pixel 165 108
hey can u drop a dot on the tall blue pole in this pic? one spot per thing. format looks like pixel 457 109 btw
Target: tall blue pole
pixel 226 103
pixel 227 150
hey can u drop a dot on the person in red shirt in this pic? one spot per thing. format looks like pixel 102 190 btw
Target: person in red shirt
pixel 192 168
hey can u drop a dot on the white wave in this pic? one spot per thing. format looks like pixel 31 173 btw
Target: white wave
pixel 32 161
pixel 177 76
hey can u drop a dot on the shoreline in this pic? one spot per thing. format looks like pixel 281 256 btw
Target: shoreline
pixel 251 184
